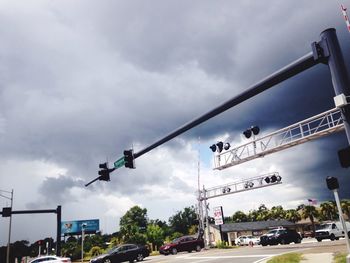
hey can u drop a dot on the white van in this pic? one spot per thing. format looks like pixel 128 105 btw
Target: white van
pixel 332 231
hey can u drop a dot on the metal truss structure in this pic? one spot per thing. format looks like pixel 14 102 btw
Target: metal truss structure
pixel 312 128
pixel 241 186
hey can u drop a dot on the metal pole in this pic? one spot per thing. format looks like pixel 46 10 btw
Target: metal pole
pixel 82 244
pixel 341 219
pixel 294 68
pixel 9 236
pixel 207 234
pixel 339 73
pixel 58 237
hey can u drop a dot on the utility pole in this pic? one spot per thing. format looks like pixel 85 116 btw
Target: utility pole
pixel 9 235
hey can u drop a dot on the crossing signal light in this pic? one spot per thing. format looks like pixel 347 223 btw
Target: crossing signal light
pixel 6 211
pixel 252 130
pixel 220 146
pixel 273 179
pixel 344 157
pixel 227 146
pixel 129 159
pixel 213 148
pixel 104 173
pixel 247 133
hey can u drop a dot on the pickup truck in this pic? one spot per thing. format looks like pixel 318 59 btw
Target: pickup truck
pixel 185 243
pixel 332 231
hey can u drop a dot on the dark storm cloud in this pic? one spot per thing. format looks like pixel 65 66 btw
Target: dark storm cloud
pixel 56 191
pixel 83 81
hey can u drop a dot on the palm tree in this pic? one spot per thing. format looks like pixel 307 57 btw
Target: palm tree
pixel 310 212
pixel 292 215
pixel 328 211
pixel 277 212
pixel 345 207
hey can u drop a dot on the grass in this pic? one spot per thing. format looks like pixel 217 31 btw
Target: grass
pixel 339 258
pixel 287 258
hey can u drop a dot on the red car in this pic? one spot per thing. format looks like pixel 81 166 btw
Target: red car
pixel 186 243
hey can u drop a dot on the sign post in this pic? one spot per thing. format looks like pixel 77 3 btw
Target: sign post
pixel 219 219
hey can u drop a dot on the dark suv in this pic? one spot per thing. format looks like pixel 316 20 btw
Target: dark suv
pixel 280 236
pixel 186 243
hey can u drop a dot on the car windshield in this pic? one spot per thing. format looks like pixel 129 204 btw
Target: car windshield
pixel 176 240
pixel 112 250
pixel 272 232
pixel 325 226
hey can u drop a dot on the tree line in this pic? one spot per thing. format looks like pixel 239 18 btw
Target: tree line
pixel 136 227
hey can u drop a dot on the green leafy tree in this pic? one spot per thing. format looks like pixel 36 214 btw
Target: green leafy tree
pixel 292 215
pixel 328 211
pixel 182 221
pixel 155 235
pixel 239 216
pixel 277 213
pixel 310 212
pixel 95 251
pixel 133 225
pixel 345 207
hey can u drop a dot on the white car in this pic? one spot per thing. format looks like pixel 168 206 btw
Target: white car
pixel 246 240
pixel 50 259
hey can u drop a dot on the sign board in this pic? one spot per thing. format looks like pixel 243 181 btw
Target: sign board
pixel 218 215
pixel 119 163
pixel 75 227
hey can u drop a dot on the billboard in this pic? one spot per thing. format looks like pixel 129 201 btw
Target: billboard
pixel 75 227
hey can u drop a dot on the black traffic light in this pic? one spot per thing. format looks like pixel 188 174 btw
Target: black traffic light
pixel 344 157
pixel 213 148
pixel 220 146
pixel 104 173
pixel 255 130
pixel 6 211
pixel 247 133
pixel 332 183
pixel 129 159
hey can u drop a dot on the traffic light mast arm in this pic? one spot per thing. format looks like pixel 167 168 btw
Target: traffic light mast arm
pixel 279 76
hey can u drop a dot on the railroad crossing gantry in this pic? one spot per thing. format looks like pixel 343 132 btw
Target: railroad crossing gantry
pixel 312 128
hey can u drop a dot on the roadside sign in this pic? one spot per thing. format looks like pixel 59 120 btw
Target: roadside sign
pixel 218 215
pixel 119 163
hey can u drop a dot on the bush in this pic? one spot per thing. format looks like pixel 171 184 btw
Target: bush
pixel 222 245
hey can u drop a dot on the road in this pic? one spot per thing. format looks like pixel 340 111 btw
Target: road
pixel 254 254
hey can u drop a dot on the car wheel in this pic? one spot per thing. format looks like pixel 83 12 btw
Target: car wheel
pixel 198 248
pixel 264 245
pixel 107 260
pixel 139 257
pixel 319 239
pixel 298 241
pixel 332 237
pixel 174 251
pixel 282 242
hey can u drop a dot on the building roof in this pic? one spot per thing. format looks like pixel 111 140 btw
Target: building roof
pixel 258 225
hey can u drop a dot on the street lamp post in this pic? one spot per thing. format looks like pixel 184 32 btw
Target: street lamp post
pixel 332 184
pixel 10 223
pixel 82 241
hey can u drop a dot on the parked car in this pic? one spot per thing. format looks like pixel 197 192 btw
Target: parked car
pixel 51 259
pixel 121 253
pixel 247 240
pixel 280 236
pixel 332 231
pixel 185 243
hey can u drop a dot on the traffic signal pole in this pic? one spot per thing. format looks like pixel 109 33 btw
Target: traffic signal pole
pixel 275 78
pixel 326 51
pixel 340 79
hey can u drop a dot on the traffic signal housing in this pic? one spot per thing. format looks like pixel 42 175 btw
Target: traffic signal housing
pixel 104 173
pixel 344 157
pixel 129 159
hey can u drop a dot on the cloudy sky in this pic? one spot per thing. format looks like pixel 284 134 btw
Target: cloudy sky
pixel 83 80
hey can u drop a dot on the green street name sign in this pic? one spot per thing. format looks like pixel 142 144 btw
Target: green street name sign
pixel 119 163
